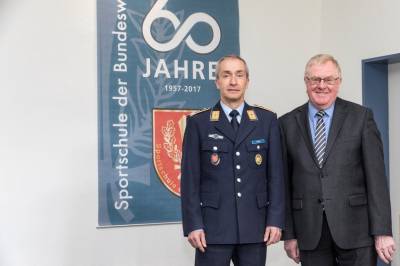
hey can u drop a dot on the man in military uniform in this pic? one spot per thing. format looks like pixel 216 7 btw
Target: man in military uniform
pixel 232 188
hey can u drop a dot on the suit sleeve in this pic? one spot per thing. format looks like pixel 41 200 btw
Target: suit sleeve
pixel 276 208
pixel 377 187
pixel 190 179
pixel 288 231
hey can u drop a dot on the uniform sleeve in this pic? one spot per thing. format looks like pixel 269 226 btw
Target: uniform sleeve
pixel 190 179
pixel 276 208
pixel 288 230
pixel 377 186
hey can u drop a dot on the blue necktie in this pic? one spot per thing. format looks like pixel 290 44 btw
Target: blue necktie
pixel 234 122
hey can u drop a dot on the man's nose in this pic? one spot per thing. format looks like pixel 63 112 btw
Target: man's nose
pixel 233 80
pixel 322 84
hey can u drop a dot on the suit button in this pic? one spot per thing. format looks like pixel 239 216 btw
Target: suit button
pixel 321 201
pixel 201 203
pixel 215 148
pixel 239 194
pixel 238 180
pixel 258 147
pixel 238 167
pixel 238 153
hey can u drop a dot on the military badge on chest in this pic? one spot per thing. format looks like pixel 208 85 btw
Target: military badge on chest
pixel 258 159
pixel 215 159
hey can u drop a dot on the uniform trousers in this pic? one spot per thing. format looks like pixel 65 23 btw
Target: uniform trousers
pixel 327 253
pixel 240 254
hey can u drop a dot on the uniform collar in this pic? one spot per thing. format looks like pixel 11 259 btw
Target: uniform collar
pixel 227 110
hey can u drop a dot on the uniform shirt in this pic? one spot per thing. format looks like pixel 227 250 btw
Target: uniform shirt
pixel 312 119
pixel 227 110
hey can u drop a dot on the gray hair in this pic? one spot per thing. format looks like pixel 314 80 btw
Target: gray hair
pixel 231 56
pixel 322 59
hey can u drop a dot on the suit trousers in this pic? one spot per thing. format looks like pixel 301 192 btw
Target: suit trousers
pixel 327 253
pixel 240 254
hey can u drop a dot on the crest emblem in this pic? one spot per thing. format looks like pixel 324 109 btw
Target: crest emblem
pixel 215 159
pixel 258 158
pixel 168 129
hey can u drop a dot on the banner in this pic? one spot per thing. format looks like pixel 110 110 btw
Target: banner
pixel 156 64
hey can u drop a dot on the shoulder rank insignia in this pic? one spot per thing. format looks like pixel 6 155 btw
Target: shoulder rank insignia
pixel 214 116
pixel 252 115
pixel 262 107
pixel 199 111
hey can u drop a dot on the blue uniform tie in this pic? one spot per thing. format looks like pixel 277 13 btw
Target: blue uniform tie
pixel 234 122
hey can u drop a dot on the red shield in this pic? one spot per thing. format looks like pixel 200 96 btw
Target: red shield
pixel 168 129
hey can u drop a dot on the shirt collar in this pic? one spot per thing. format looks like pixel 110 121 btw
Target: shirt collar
pixel 227 109
pixel 313 111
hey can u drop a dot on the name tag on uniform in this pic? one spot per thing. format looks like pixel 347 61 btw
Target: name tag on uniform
pixel 258 141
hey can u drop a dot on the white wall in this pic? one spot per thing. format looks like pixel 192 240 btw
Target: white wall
pixel 394 151
pixel 356 30
pixel 277 38
pixel 48 133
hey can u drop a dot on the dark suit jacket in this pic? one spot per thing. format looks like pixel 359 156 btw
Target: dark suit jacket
pixel 235 198
pixel 351 186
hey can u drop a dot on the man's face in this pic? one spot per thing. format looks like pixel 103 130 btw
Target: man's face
pixel 322 93
pixel 232 81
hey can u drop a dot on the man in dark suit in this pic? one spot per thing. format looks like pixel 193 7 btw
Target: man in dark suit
pixel 232 187
pixel 337 195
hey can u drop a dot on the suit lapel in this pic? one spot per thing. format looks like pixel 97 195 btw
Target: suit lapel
pixel 304 126
pixel 223 125
pixel 338 118
pixel 246 126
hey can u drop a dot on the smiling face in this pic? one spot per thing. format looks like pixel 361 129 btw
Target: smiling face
pixel 232 81
pixel 322 82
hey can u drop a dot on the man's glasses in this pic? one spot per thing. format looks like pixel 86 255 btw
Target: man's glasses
pixel 317 80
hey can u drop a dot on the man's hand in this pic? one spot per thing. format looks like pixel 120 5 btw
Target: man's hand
pixel 272 235
pixel 197 239
pixel 292 250
pixel 385 248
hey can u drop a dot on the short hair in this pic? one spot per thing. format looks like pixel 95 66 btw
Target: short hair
pixel 231 56
pixel 322 59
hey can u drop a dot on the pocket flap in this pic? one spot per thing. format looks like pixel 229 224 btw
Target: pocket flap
pixel 297 204
pixel 214 146
pixel 358 200
pixel 210 200
pixel 256 147
pixel 262 199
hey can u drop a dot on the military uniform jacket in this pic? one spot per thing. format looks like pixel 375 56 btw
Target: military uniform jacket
pixel 350 187
pixel 232 184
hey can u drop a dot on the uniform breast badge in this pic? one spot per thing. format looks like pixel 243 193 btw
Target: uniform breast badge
pixel 215 159
pixel 258 158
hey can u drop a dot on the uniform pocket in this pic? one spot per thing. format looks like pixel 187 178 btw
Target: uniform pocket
pixel 214 153
pixel 210 200
pixel 257 155
pixel 214 146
